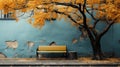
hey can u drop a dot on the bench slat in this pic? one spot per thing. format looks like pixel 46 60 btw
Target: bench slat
pixel 52 48
pixel 51 51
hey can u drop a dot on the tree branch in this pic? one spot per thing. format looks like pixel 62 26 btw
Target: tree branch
pixel 85 22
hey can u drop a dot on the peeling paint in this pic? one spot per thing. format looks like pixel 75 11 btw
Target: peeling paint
pixel 30 44
pixel 74 41
pixel 12 44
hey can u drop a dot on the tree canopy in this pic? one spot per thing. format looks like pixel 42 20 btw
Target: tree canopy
pixel 42 10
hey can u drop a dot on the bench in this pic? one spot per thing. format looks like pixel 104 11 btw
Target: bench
pixel 51 49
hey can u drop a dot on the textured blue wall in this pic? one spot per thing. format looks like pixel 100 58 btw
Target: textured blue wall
pixel 63 33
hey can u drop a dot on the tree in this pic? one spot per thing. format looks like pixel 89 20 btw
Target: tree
pixel 77 11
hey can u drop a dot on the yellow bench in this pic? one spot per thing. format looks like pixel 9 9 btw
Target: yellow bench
pixel 51 49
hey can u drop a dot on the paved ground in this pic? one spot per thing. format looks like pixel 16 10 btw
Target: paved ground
pixel 24 62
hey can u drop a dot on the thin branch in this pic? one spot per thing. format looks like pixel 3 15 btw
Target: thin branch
pixel 77 15
pixel 95 23
pixel 106 29
pixel 63 4
pixel 16 8
pixel 26 1
pixel 84 5
pixel 21 14
pixel 67 16
pixel 90 14
pixel 31 13
pixel 94 29
pixel 71 18
pixel 66 4
pixel 94 32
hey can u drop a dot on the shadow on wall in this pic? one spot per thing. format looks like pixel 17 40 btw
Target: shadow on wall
pixel 2 55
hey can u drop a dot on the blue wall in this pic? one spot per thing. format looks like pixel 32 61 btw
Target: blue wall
pixel 63 33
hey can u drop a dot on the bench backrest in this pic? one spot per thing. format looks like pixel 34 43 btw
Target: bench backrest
pixel 52 48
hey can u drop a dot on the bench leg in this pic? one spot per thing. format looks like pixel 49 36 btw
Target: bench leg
pixel 37 57
pixel 65 55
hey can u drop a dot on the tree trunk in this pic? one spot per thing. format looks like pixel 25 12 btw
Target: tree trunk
pixel 95 40
pixel 97 52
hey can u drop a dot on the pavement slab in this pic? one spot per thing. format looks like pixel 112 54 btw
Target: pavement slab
pixel 33 62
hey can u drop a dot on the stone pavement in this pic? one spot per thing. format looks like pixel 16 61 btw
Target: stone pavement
pixel 54 63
